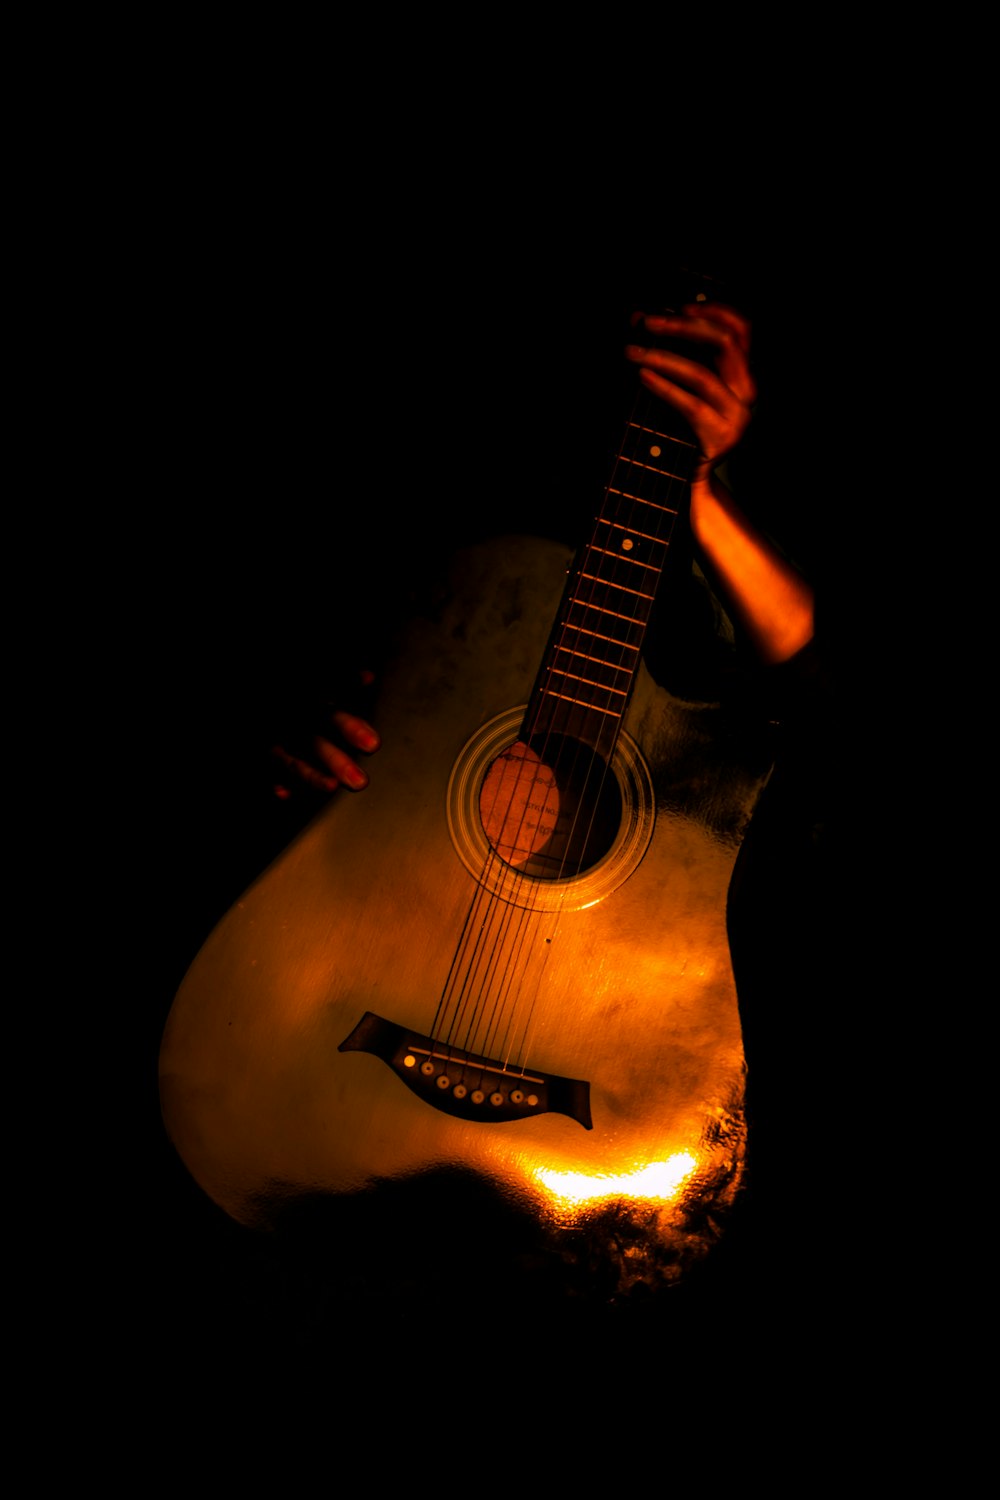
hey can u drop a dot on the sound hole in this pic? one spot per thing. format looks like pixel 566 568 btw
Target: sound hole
pixel 551 812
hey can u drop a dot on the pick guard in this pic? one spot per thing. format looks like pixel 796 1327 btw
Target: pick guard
pixel 363 911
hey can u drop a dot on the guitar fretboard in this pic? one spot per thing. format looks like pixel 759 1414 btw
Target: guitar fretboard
pixel 586 679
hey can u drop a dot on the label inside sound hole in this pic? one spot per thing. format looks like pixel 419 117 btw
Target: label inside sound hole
pixel 519 804
pixel 553 813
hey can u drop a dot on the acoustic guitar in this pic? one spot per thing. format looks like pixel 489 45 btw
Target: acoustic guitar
pixel 506 964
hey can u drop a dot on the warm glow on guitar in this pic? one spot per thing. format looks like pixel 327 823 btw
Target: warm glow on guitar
pixel 660 1181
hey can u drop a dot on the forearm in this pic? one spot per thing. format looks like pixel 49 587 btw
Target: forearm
pixel 766 596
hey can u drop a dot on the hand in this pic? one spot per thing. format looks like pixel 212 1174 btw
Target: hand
pixel 326 759
pixel 762 591
pixel 716 403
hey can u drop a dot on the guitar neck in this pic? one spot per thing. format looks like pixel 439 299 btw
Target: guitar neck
pixel 588 672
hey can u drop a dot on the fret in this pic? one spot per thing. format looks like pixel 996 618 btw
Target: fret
pixel 673 463
pixel 669 510
pixel 562 683
pixel 582 633
pixel 605 623
pixel 588 605
pixel 616 537
pixel 654 469
pixel 591 693
pixel 600 660
pixel 681 450
pixel 635 562
pixel 614 713
pixel 584 685
pixel 632 533
pixel 610 603
pixel 610 583
pixel 600 674
pixel 653 458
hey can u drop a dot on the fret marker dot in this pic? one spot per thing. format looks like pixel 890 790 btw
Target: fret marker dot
pixel 655 451
pixel 627 544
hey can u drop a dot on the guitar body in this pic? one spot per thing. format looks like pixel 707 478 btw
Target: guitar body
pixel 613 987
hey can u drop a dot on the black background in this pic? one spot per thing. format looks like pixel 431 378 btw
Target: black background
pixel 325 387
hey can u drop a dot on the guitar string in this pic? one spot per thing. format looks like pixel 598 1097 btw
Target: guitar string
pixel 639 430
pixel 601 575
pixel 482 932
pixel 472 1013
pixel 616 519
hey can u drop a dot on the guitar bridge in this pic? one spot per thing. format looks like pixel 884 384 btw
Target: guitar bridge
pixel 464 1083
